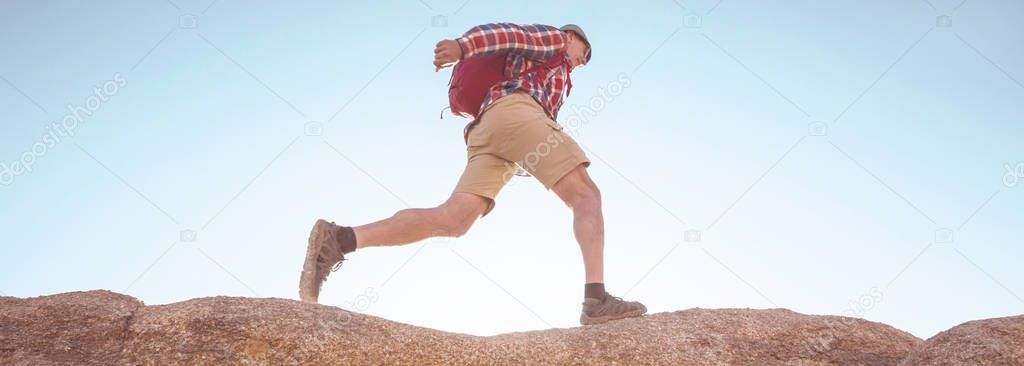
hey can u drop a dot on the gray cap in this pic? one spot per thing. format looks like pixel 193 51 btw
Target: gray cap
pixel 579 31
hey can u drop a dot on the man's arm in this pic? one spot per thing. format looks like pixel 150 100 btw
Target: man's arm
pixel 537 42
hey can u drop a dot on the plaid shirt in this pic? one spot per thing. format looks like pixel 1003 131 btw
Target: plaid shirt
pixel 528 46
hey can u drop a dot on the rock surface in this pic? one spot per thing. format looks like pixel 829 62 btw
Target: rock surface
pixel 73 328
pixel 101 327
pixel 998 341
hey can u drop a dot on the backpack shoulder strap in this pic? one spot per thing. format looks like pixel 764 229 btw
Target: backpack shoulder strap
pixel 553 61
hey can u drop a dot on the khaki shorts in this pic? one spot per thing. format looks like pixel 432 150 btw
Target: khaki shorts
pixel 515 130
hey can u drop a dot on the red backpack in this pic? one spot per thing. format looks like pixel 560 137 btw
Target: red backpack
pixel 473 77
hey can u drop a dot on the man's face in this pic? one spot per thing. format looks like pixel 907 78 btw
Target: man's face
pixel 577 50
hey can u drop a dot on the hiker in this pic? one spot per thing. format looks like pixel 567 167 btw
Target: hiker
pixel 509 80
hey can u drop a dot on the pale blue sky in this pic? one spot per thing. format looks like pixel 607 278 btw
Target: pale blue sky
pixel 208 133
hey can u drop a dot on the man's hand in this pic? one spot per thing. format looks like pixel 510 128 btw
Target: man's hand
pixel 446 53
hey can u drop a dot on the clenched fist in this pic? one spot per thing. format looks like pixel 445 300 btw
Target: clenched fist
pixel 446 53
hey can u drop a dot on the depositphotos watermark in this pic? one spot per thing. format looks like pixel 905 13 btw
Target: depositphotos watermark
pixel 58 131
pixel 579 116
pixel 1013 175
pixel 340 318
pixel 840 327
pixel 606 95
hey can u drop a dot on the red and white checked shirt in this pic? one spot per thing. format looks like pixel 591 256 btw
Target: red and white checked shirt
pixel 528 46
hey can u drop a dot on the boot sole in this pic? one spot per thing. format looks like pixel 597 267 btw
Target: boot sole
pixel 586 320
pixel 309 266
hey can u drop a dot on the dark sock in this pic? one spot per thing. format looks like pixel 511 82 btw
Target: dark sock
pixel 347 239
pixel 594 291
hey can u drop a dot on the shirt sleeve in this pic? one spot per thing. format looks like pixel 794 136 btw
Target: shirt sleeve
pixel 533 41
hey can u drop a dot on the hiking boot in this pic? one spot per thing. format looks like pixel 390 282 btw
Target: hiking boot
pixel 323 256
pixel 596 311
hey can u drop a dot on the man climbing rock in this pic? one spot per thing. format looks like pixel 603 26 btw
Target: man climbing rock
pixel 513 125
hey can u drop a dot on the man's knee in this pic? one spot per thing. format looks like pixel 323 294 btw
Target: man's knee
pixel 454 226
pixel 576 189
pixel 459 213
pixel 589 196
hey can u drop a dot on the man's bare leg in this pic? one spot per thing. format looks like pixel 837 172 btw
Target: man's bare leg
pixel 328 243
pixel 451 219
pixel 580 193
